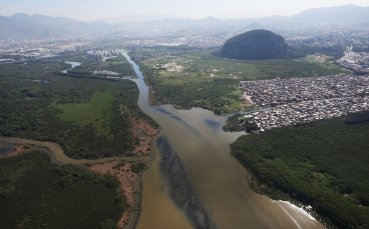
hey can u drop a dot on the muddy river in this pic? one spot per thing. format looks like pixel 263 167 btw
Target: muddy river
pixel 193 181
pixel 218 180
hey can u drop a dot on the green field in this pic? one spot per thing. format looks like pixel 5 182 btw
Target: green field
pixel 88 117
pixel 37 194
pixel 96 112
pixel 323 164
pixel 211 82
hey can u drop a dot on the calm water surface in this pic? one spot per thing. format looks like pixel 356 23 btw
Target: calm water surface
pixel 220 181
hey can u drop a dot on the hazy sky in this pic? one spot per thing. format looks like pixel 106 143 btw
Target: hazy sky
pixel 147 9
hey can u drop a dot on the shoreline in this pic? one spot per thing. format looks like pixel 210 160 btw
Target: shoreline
pixel 154 102
pixel 180 189
pixel 129 178
pixel 57 154
pixel 129 219
pixel 281 197
pixel 130 186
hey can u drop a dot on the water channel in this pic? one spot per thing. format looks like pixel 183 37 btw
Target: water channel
pixel 218 179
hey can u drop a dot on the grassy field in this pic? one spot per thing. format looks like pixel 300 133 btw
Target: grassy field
pixel 197 78
pixel 96 112
pixel 88 117
pixel 323 164
pixel 37 194
pixel 263 69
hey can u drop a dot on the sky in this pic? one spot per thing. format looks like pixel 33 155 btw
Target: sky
pixel 91 10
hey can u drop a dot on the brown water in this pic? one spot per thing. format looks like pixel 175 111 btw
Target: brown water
pixel 57 153
pixel 158 210
pixel 220 181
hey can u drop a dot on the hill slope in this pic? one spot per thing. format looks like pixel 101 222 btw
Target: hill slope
pixel 255 45
pixel 346 15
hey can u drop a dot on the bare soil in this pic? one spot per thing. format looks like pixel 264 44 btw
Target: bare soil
pixel 130 183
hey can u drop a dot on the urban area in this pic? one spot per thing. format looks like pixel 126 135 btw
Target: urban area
pixel 284 102
pixel 356 61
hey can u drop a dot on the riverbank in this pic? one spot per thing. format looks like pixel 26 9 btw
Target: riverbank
pixel 171 188
pixel 126 170
pixel 93 121
pixel 118 167
pixel 216 178
pixel 130 187
pixel 322 165
pixel 35 193
pixel 284 198
pixel 145 134
pixel 180 187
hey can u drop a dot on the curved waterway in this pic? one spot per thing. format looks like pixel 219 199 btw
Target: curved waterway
pixel 218 179
pixel 56 153
pixel 73 65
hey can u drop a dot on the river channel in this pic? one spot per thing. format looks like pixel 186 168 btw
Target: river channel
pixel 208 185
pixel 218 180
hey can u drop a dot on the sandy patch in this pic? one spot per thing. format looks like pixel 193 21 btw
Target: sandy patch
pixel 129 185
pixel 19 150
pixel 170 67
pixel 145 133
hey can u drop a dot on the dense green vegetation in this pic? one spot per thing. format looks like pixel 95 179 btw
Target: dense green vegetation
pixel 238 123
pixel 90 118
pixel 138 167
pixel 323 164
pixel 116 64
pixel 37 194
pixel 208 81
pixel 256 44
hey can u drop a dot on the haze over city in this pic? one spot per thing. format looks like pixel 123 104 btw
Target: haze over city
pixel 202 114
pixel 116 10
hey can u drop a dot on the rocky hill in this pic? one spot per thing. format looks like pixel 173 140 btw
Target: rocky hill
pixel 255 45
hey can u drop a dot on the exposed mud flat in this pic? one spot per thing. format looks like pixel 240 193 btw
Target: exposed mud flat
pixel 145 134
pixel 179 187
pixel 12 147
pixel 158 209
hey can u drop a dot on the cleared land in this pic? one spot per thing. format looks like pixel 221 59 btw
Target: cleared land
pixel 323 164
pixel 191 78
pixel 96 112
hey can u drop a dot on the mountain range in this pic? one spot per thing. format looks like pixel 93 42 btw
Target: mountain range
pixel 23 26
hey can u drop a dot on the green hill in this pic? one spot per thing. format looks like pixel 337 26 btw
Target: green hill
pixel 255 45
